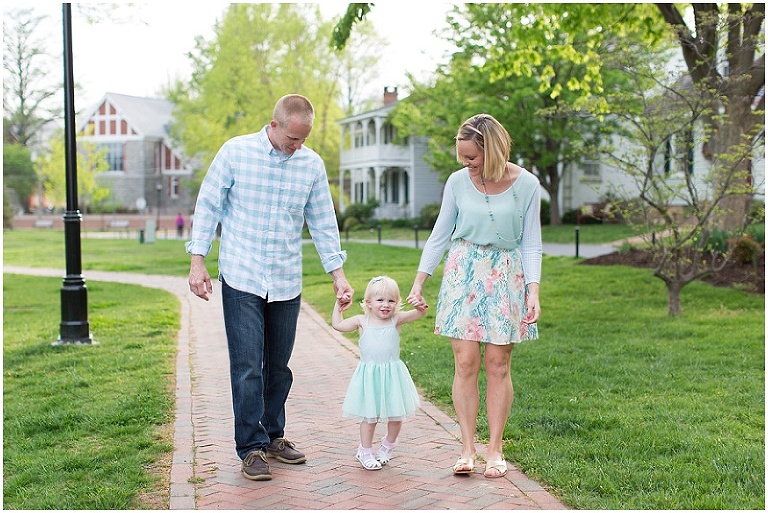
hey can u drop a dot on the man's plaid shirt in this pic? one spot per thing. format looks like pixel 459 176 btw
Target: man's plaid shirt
pixel 262 197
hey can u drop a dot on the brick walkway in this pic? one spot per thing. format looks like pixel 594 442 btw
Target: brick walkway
pixel 206 471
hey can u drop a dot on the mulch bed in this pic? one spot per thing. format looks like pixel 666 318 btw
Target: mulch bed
pixel 734 273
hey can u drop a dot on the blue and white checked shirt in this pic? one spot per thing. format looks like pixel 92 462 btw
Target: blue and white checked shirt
pixel 262 197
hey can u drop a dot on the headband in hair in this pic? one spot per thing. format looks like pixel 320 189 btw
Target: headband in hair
pixel 473 128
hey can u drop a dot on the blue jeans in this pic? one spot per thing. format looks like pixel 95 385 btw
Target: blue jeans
pixel 260 336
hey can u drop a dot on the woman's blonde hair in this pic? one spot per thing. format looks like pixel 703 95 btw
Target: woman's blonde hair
pixel 381 286
pixel 492 138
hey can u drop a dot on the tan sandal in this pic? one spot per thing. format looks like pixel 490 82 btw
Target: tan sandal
pixel 464 465
pixel 495 468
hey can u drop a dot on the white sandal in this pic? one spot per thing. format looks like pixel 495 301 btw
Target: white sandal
pixel 366 458
pixel 384 453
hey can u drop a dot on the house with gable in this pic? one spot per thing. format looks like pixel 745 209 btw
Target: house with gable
pixel 373 167
pixel 145 170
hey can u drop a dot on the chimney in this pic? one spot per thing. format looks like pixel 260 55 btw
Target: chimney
pixel 390 95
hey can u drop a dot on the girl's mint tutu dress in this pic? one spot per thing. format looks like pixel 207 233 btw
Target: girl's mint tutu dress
pixel 381 389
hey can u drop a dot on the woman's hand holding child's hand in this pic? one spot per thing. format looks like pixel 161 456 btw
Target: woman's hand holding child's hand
pixel 417 301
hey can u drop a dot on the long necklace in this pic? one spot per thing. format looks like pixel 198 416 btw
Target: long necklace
pixel 490 213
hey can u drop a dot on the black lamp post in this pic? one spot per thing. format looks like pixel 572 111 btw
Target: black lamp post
pixel 159 188
pixel 75 328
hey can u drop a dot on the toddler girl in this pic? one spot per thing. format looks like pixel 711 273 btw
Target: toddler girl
pixel 381 389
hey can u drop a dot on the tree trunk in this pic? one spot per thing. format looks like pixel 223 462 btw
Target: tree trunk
pixel 551 184
pixel 554 213
pixel 724 143
pixel 673 298
pixel 739 86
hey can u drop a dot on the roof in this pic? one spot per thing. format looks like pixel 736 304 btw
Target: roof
pixel 379 111
pixel 148 116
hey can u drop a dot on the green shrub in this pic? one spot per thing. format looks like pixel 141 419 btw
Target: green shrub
pixel 757 231
pixel 544 214
pixel 717 241
pixel 361 212
pixel 747 249
pixel 350 222
pixel 757 211
pixel 405 223
pixel 429 215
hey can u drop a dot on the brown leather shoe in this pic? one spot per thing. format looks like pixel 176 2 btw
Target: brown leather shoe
pixel 283 450
pixel 255 466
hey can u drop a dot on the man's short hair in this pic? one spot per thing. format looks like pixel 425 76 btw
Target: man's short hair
pixel 294 106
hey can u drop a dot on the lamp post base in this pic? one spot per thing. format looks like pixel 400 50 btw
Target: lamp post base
pixel 74 327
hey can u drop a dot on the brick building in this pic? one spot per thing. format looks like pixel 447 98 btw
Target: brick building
pixel 146 170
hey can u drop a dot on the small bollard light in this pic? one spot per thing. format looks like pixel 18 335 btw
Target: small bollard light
pixel 416 235
pixel 576 229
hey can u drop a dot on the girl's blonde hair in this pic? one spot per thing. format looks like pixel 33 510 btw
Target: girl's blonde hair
pixel 381 286
pixel 492 138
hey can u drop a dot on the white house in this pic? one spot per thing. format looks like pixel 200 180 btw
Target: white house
pixel 373 167
pixel 590 182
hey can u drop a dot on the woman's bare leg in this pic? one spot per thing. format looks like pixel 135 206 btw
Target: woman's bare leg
pixel 466 394
pixel 499 396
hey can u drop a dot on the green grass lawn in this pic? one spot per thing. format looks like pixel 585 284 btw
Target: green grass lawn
pixel 617 406
pixel 87 427
pixel 588 233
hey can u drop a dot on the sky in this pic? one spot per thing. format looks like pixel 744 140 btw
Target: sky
pixel 142 47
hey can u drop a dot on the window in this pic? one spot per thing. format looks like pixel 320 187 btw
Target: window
pixel 687 152
pixel 388 132
pixel 174 193
pixel 668 157
pixel 359 135
pixel 679 154
pixel 394 188
pixel 591 169
pixel 389 190
pixel 114 155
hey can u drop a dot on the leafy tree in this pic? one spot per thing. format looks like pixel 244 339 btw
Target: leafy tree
pixel 27 87
pixel 538 69
pixel 259 53
pixel 19 172
pixel 90 162
pixel 724 51
pixel 343 30
pixel 358 67
pixel 670 204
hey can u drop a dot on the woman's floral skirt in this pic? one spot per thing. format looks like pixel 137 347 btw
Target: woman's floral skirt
pixel 483 295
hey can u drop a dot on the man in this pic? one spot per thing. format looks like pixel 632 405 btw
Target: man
pixel 262 187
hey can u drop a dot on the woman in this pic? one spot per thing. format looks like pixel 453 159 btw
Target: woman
pixel 489 295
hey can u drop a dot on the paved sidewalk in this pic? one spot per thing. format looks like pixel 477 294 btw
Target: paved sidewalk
pixel 206 471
